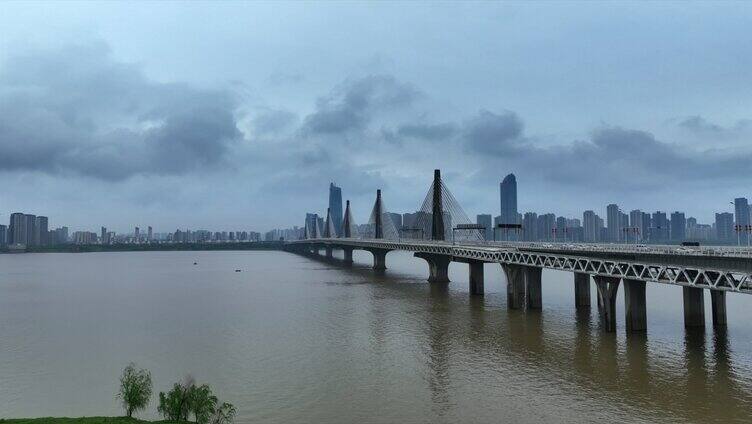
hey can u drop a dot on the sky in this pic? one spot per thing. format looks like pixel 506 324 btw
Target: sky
pixel 237 116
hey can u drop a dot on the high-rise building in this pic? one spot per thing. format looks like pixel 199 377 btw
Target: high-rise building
pixel 486 221
pixel 591 231
pixel 659 229
pixel 741 217
pixel 3 235
pixel 678 227
pixel 724 227
pixel 508 203
pixel 17 229
pixel 335 208
pixel 561 229
pixel 30 224
pixel 613 222
pixel 546 226
pixel 311 226
pixel 149 234
pixel 137 235
pixel 41 224
pixel 530 226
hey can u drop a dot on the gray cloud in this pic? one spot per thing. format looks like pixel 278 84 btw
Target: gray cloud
pixel 77 111
pixel 699 126
pixel 352 106
pixel 433 132
pixel 273 121
pixel 496 134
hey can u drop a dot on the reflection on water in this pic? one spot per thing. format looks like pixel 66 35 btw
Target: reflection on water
pixel 299 340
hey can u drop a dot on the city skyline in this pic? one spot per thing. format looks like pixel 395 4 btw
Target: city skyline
pixel 162 138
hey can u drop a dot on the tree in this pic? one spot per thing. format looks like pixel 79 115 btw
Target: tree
pixel 224 414
pixel 174 405
pixel 135 389
pixel 201 402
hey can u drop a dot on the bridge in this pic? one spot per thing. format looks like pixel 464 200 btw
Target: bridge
pixel 719 270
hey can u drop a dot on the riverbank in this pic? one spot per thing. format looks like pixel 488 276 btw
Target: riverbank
pixel 85 248
pixel 81 420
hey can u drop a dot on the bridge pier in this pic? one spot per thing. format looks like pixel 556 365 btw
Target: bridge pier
pixel 694 307
pixel 533 277
pixel 718 305
pixel 515 285
pixel 476 277
pixel 438 266
pixel 329 253
pixel 379 258
pixel 607 289
pixel 635 306
pixel 348 255
pixel 581 290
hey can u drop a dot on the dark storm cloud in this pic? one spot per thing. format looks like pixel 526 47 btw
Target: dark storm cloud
pixel 77 111
pixel 351 106
pixel 495 134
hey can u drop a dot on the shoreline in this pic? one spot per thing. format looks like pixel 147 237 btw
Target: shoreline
pixel 156 247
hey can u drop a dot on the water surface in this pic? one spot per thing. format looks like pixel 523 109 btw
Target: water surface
pixel 290 340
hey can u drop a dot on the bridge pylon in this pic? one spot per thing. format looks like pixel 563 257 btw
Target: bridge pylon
pixel 346 232
pixel 437 225
pixel 378 224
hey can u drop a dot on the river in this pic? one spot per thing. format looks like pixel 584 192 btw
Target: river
pixel 294 340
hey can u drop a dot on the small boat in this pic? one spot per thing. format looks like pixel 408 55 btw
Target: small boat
pixel 237 270
pixel 195 263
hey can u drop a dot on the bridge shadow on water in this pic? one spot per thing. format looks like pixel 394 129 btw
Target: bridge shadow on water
pixel 696 381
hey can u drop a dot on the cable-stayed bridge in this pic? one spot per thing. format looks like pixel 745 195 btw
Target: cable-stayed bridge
pixel 442 233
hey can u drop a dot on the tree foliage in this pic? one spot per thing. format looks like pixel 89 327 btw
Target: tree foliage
pixel 188 398
pixel 135 389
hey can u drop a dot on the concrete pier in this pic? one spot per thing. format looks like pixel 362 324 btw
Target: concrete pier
pixel 379 258
pixel 329 254
pixel 348 255
pixel 515 285
pixel 635 306
pixel 438 266
pixel 718 306
pixel 533 278
pixel 476 277
pixel 694 307
pixel 607 289
pixel 581 290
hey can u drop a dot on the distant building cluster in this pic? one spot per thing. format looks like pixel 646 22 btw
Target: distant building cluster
pixel 616 226
pixel 30 230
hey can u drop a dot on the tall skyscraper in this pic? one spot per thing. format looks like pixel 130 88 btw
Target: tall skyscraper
pixel 613 222
pixel 41 224
pixel 3 235
pixel 591 232
pixel 530 226
pixel 149 234
pixel 546 226
pixel 678 227
pixel 724 227
pixel 508 204
pixel 335 207
pixel 17 229
pixel 659 228
pixel 30 224
pixel 741 217
pixel 486 221
pixel 137 235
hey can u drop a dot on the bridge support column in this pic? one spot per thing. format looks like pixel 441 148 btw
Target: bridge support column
pixel 694 307
pixel 438 266
pixel 476 277
pixel 533 277
pixel 329 254
pixel 379 259
pixel 635 306
pixel 607 289
pixel 581 290
pixel 515 285
pixel 718 305
pixel 348 255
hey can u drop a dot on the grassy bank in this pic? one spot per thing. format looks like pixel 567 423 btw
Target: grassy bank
pixel 82 420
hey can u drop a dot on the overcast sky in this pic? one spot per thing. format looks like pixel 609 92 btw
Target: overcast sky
pixel 237 116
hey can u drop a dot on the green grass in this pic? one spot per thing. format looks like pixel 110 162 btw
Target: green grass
pixel 82 420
